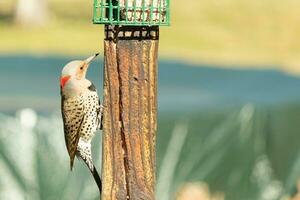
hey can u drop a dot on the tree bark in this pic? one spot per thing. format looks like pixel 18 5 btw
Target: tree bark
pixel 130 109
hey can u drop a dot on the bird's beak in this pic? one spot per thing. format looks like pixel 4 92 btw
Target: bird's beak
pixel 83 68
pixel 91 58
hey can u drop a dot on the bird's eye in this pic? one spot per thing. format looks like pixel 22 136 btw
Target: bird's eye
pixel 81 68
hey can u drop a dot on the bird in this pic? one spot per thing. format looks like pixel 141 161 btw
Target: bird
pixel 81 113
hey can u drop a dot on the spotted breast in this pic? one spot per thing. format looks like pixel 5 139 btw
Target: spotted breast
pixel 81 119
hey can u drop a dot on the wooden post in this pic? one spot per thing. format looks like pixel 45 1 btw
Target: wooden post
pixel 130 109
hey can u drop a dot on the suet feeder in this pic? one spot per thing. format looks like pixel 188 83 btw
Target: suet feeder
pixel 132 12
pixel 130 95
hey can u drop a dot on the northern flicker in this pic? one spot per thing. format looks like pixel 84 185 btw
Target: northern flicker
pixel 81 112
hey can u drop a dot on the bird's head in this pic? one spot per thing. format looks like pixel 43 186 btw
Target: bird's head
pixel 75 70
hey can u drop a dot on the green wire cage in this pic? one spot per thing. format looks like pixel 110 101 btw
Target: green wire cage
pixel 132 12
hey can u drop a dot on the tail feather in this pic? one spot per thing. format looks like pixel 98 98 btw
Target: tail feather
pixel 88 161
pixel 84 152
pixel 71 164
pixel 97 179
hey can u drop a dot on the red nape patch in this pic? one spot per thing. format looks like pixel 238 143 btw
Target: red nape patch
pixel 64 80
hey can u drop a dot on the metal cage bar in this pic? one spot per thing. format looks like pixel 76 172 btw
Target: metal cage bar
pixel 132 12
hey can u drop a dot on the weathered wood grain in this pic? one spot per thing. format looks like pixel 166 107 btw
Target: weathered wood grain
pixel 130 109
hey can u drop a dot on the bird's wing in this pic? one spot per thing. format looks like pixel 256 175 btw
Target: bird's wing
pixel 73 116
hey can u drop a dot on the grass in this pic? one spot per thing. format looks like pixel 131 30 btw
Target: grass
pixel 212 31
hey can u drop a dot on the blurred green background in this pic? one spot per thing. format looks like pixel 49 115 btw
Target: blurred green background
pixel 229 99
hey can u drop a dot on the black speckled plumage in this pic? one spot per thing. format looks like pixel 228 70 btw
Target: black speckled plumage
pixel 81 119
